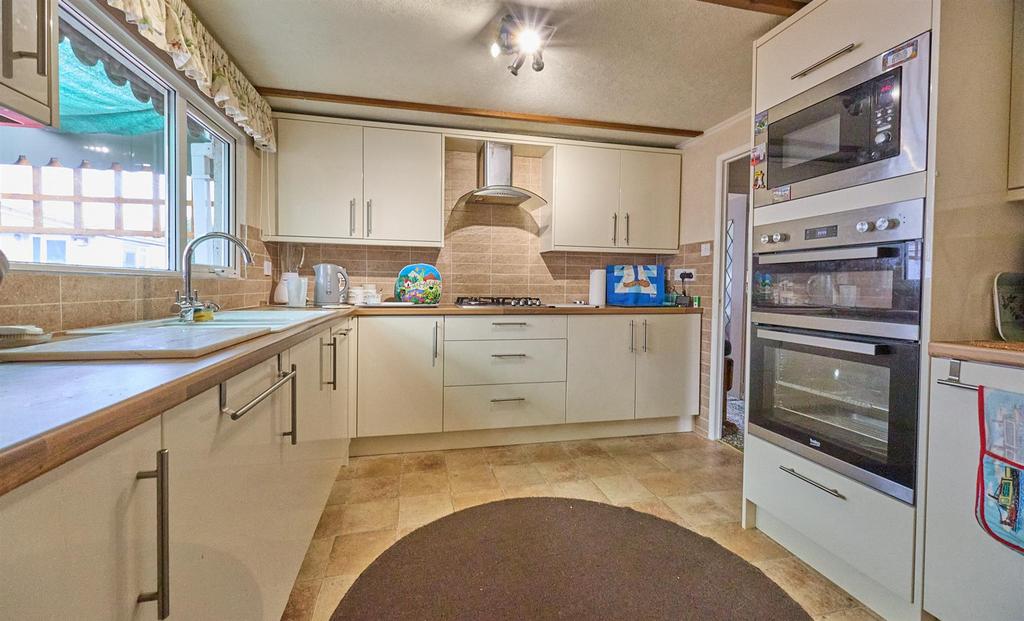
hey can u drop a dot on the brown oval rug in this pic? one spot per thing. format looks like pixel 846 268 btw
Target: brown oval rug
pixel 558 558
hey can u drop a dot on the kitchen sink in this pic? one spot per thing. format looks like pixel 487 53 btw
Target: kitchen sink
pixel 275 320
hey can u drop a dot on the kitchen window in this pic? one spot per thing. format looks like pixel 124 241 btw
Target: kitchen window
pixel 102 191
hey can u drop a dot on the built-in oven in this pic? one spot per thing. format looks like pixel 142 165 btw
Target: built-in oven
pixel 857 272
pixel 835 340
pixel 866 124
pixel 847 402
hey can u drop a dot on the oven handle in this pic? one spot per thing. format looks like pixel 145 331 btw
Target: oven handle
pixel 855 347
pixel 838 254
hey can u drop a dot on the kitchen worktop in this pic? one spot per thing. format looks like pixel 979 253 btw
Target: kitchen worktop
pixel 991 352
pixel 55 411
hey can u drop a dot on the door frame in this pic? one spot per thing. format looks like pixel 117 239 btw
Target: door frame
pixel 718 285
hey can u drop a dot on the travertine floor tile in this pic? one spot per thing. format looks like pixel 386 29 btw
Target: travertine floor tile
pixel 423 462
pixel 814 592
pixel 517 475
pixel 472 479
pixel 353 553
pixel 316 560
pixel 420 483
pixel 640 464
pixel 577 489
pixel 465 458
pixel 371 466
pixel 597 466
pixel 331 591
pixel 751 545
pixel 623 488
pixel 663 484
pixel 373 515
pixel 347 491
pixel 418 510
pixel 471 499
pixel 656 508
pixel 697 509
pixel 559 471
pixel 528 491
pixel 301 601
pixel 584 448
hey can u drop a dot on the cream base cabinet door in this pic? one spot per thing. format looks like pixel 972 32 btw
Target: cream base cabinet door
pixel 586 197
pixel 79 542
pixel 649 199
pixel 403 185
pixel 320 425
pixel 319 179
pixel 401 375
pixel 668 366
pixel 601 369
pixel 230 489
pixel 27 81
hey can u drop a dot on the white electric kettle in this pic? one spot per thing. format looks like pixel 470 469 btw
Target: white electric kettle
pixel 331 284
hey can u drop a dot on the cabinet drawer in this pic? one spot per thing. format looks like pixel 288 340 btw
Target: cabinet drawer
pixel 504 362
pixel 509 405
pixel 870 531
pixel 494 327
pixel 823 31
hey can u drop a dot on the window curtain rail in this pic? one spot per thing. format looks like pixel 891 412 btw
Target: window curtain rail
pixel 174 28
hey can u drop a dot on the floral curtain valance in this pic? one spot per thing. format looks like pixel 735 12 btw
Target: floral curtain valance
pixel 173 27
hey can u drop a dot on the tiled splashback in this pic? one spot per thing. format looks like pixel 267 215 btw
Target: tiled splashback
pixel 63 301
pixel 489 250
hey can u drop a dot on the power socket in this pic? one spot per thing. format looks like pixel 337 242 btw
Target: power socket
pixel 268 268
pixel 690 273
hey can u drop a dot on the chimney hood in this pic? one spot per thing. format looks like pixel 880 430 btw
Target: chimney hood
pixel 494 180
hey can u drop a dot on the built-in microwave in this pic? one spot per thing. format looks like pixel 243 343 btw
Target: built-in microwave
pixel 864 125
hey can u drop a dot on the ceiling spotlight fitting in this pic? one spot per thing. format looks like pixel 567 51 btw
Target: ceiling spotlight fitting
pixel 520 39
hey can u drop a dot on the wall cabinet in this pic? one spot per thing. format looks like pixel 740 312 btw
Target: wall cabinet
pixel 615 200
pixel 80 541
pixel 633 366
pixel 28 66
pixel 401 375
pixel 340 182
pixel 968 574
pixel 1015 172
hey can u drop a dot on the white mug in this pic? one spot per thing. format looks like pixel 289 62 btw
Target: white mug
pixel 371 297
pixel 355 295
pixel 297 291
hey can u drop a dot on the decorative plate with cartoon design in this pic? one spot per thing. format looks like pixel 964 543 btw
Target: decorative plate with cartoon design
pixel 418 283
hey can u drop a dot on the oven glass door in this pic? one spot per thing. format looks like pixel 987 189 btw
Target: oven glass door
pixel 869 283
pixel 852 398
pixel 857 126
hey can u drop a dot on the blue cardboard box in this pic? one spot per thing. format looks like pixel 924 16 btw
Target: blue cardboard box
pixel 635 285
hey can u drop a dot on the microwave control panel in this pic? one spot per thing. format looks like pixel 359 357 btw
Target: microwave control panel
pixel 885 116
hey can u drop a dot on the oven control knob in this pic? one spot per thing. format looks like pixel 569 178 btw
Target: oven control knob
pixel 779 237
pixel 766 239
pixel 883 137
pixel 884 224
pixel 865 227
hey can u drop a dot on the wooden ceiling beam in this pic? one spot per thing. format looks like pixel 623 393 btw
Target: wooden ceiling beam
pixel 268 91
pixel 785 8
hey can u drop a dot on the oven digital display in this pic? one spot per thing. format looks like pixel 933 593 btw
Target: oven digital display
pixel 822 232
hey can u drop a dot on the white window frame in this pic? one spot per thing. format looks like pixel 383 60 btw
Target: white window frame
pixel 184 97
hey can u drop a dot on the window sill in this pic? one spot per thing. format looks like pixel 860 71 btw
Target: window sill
pixel 198 271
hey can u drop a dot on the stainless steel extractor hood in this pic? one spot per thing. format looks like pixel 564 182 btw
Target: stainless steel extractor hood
pixel 494 180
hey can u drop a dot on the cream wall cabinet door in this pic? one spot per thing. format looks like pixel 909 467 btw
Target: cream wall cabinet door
pixel 229 486
pixel 403 185
pixel 401 375
pixel 28 68
pixel 1015 174
pixel 968 574
pixel 79 542
pixel 668 366
pixel 601 376
pixel 828 30
pixel 319 179
pixel 586 200
pixel 649 199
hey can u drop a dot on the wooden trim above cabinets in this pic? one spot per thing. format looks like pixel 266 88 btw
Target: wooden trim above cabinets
pixel 785 8
pixel 268 91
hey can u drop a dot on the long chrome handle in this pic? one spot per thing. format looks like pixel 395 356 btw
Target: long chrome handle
pixel 956 384
pixel 508 400
pixel 631 340
pixel 840 254
pixel 162 595
pixel 369 217
pixel 509 323
pixel 333 345
pixel 7 39
pixel 615 228
pixel 293 433
pixel 627 228
pixel 42 29
pixel 282 379
pixel 811 481
pixel 352 217
pixel 824 61
pixel 433 360
pixel 508 355
pixel 854 347
pixel 645 336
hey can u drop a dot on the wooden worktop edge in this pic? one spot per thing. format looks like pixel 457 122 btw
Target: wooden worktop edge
pixel 989 352
pixel 22 462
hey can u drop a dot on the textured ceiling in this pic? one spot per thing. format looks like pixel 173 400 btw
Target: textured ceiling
pixel 674 63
